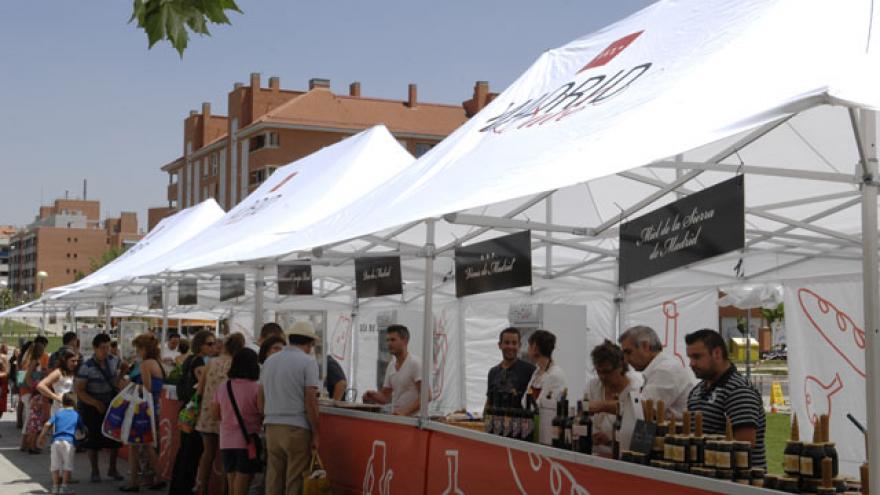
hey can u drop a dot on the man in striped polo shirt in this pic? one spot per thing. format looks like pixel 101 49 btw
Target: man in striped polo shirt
pixel 724 393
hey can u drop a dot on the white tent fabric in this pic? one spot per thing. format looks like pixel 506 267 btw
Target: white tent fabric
pixel 670 78
pixel 170 234
pixel 826 351
pixel 297 196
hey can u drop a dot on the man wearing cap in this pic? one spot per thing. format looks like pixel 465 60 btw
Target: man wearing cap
pixel 288 397
pixel 403 377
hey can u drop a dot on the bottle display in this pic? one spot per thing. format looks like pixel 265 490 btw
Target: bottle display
pixel 557 424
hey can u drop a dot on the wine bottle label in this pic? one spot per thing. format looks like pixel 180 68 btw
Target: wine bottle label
pixel 722 460
pixel 667 452
pixel 526 428
pixel 693 453
pixel 489 424
pixel 556 430
pixel 514 427
pixel 678 453
pixel 568 436
pixel 579 431
pixel 806 466
pixel 791 463
pixel 742 460
pixel 710 458
pixel 507 426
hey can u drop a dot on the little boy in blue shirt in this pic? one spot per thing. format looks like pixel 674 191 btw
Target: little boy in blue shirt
pixel 64 424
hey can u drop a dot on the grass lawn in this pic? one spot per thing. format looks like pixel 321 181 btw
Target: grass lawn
pixel 777 433
pixel 11 331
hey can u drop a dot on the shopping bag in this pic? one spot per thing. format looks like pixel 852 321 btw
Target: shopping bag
pixel 189 415
pixel 142 427
pixel 118 416
pixel 315 481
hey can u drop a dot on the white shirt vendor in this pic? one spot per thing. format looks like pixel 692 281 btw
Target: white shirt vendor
pixel 549 385
pixel 402 382
pixel 665 379
pixel 604 422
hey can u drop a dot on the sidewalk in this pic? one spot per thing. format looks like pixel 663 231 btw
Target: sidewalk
pixel 22 473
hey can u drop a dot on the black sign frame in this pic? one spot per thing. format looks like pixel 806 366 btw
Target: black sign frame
pixel 497 264
pixel 378 276
pixel 187 292
pixel 295 280
pixel 154 296
pixel 703 225
pixel 231 286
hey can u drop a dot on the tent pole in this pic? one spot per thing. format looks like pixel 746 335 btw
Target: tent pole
pixel 259 287
pixel 428 327
pixel 355 348
pixel 548 262
pixel 108 319
pixel 71 318
pixel 165 287
pixel 43 320
pixel 871 292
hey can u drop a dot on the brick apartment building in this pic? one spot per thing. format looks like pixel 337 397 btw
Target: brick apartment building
pixel 62 241
pixel 227 156
pixel 6 233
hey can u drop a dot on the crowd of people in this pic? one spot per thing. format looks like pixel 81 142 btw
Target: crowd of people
pixel 255 407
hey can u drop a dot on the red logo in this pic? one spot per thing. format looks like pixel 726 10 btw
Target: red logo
pixel 612 51
pixel 278 186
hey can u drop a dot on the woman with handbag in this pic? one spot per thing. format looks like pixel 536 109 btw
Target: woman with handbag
pixel 152 378
pixel 36 363
pixel 235 406
pixel 207 424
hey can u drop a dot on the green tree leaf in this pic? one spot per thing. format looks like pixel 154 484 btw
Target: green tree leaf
pixel 173 20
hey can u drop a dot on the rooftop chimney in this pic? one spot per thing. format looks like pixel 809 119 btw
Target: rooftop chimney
pixel 315 83
pixel 413 96
pixel 85 189
pixel 193 113
pixel 274 83
pixel 237 85
pixel 255 80
pixel 206 110
pixel 481 92
pixel 354 89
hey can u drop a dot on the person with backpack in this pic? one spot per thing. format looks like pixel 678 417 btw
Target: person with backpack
pixel 183 478
pixel 96 384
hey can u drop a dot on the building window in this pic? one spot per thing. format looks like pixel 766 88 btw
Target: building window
pixel 75 239
pixel 258 176
pixel 422 148
pixel 214 165
pixel 265 140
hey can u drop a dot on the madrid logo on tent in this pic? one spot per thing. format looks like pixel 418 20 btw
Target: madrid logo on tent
pixel 575 95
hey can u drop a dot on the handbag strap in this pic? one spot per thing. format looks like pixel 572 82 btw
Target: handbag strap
pixel 244 432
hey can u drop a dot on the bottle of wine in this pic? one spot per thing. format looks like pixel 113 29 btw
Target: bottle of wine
pixel 507 415
pixel 516 417
pixel 497 415
pixel 488 421
pixel 615 435
pixel 583 429
pixel 558 424
pixel 568 425
pixel 533 425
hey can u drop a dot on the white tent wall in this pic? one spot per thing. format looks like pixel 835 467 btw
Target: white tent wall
pixel 826 344
pixel 673 314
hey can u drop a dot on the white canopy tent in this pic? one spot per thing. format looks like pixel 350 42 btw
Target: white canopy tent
pixel 691 92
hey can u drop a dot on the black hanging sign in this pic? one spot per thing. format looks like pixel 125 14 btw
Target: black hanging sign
pixel 496 264
pixel 231 286
pixel 154 296
pixel 643 437
pixel 295 280
pixel 187 292
pixel 378 276
pixel 705 224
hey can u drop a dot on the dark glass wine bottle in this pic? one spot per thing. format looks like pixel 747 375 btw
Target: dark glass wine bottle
pixel 558 424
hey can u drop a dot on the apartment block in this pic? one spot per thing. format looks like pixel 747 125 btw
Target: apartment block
pixel 225 157
pixel 6 233
pixel 62 241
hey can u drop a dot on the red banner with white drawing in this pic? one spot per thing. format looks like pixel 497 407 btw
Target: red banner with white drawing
pixel 373 457
pixel 826 349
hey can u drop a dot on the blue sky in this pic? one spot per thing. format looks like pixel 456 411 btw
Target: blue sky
pixel 81 96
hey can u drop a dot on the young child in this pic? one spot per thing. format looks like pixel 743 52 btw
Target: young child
pixel 64 424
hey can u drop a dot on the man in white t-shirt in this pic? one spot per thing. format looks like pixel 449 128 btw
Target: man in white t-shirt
pixel 664 377
pixel 170 350
pixel 403 378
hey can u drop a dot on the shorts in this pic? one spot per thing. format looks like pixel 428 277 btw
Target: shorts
pixel 62 454
pixel 236 461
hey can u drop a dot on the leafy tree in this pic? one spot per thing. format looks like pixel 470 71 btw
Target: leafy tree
pixel 172 20
pixel 6 299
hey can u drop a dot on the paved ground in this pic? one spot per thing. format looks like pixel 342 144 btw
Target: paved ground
pixel 22 473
